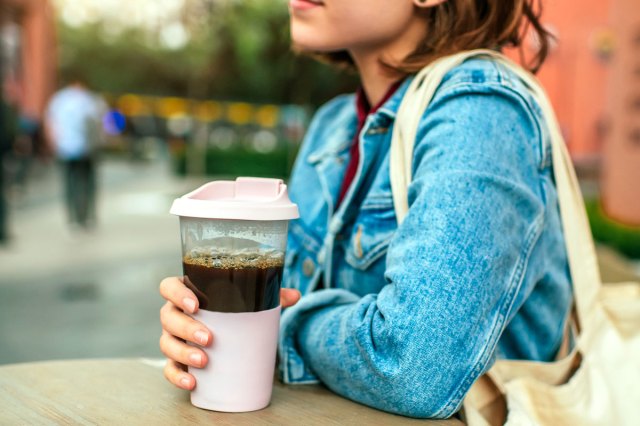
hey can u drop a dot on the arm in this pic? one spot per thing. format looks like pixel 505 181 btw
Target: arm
pixel 455 266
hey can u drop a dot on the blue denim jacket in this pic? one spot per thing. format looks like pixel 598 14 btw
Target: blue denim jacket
pixel 409 317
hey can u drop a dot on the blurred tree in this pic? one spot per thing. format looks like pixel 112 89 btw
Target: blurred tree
pixel 235 50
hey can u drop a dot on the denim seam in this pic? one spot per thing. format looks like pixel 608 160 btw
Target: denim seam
pixel 380 195
pixel 462 76
pixel 444 90
pixel 561 327
pixel 304 379
pixel 545 159
pixel 504 89
pixel 377 206
pixel 515 284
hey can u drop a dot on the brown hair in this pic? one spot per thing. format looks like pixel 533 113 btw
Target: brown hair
pixel 458 25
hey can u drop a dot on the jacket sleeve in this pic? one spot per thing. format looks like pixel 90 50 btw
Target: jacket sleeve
pixel 454 267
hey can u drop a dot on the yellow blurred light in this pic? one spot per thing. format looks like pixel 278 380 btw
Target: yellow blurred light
pixel 133 105
pixel 239 113
pixel 208 111
pixel 172 107
pixel 268 115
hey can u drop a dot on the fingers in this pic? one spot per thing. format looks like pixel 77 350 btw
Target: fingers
pixel 175 374
pixel 174 290
pixel 289 297
pixel 179 324
pixel 179 351
pixel 202 298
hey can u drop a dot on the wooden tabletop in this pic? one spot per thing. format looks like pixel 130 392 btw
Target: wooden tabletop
pixel 128 391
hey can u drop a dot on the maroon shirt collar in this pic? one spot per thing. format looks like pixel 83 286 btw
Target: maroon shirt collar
pixel 362 104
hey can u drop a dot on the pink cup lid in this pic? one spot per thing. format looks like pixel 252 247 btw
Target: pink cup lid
pixel 245 199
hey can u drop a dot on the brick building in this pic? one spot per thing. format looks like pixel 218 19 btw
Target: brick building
pixel 593 79
pixel 27 34
pixel 621 173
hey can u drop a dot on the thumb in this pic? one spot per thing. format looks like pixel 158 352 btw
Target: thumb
pixel 289 297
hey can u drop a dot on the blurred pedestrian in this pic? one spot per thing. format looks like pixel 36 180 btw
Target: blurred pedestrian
pixel 7 136
pixel 4 147
pixel 73 126
pixel 26 136
pixel 8 126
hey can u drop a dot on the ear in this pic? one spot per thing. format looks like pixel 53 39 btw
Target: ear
pixel 427 3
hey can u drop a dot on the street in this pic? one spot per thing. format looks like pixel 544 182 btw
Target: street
pixel 75 294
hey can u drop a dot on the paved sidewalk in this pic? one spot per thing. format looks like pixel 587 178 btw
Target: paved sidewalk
pixel 76 294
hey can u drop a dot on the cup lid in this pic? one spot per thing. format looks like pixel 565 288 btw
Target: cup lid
pixel 245 198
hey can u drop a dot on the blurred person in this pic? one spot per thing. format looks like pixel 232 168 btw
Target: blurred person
pixel 8 125
pixel 25 148
pixel 73 127
pixel 7 134
pixel 25 141
pixel 405 318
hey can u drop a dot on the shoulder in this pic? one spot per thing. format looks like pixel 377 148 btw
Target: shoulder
pixel 488 108
pixel 484 74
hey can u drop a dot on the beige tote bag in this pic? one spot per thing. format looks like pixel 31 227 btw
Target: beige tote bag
pixel 598 382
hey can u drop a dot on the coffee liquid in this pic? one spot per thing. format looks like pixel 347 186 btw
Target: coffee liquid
pixel 242 281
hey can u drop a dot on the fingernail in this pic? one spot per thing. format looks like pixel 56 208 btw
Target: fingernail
pixel 185 382
pixel 190 304
pixel 195 358
pixel 201 337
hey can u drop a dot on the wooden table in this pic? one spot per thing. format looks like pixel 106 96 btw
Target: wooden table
pixel 128 391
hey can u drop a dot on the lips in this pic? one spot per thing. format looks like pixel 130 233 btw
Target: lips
pixel 305 4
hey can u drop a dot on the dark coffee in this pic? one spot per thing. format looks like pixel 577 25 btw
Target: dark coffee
pixel 245 281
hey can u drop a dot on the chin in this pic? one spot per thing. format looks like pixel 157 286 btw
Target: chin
pixel 310 40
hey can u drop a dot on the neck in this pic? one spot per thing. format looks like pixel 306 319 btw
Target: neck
pixel 375 79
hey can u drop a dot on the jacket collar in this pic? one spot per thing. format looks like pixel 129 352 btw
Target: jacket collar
pixel 346 121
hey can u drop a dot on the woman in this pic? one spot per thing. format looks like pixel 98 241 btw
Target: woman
pixel 406 318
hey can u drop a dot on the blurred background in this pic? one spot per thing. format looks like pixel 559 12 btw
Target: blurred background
pixel 193 90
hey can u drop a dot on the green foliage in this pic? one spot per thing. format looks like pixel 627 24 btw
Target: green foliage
pixel 624 238
pixel 240 162
pixel 237 50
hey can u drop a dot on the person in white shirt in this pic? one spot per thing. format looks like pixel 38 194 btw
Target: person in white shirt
pixel 73 125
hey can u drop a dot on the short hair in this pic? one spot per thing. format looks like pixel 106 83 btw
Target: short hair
pixel 458 25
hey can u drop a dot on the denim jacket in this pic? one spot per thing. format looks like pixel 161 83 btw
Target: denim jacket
pixel 408 317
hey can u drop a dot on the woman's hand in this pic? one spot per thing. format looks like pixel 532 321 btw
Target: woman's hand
pixel 179 328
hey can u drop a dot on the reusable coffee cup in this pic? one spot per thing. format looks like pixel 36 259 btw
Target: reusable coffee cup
pixel 234 236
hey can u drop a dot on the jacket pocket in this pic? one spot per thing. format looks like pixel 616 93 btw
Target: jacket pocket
pixel 300 260
pixel 373 229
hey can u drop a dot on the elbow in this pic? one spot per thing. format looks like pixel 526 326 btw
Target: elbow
pixel 425 400
pixel 425 390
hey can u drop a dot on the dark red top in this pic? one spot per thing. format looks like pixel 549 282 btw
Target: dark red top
pixel 364 110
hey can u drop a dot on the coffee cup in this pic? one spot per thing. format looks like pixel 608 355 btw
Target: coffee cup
pixel 234 236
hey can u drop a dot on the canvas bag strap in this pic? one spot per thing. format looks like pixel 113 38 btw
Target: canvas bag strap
pixel 578 239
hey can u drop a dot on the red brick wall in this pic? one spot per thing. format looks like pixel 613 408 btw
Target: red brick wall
pixel 621 171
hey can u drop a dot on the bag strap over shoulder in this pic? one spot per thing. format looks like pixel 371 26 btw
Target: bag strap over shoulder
pixel 578 239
